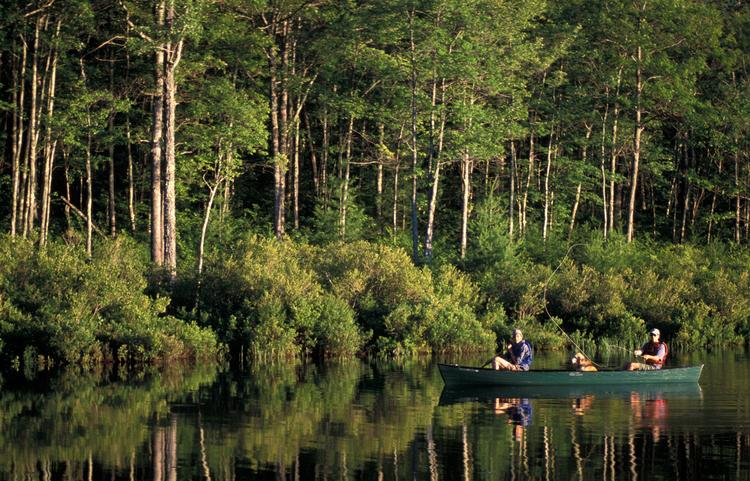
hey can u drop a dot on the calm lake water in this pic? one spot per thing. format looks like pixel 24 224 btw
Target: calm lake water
pixel 372 421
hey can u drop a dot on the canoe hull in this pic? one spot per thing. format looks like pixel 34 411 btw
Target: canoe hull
pixel 454 375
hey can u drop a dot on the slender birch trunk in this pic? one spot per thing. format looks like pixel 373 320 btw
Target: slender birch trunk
pixel 584 159
pixel 738 200
pixel 636 144
pixel 466 169
pixel 17 142
pixel 522 223
pixel 395 178
pixel 344 198
pixel 546 185
pixel 605 214
pixel 49 144
pixel 172 60
pixel 33 137
pixel 379 181
pixel 313 156
pixel 111 157
pixel 613 153
pixel 512 188
pixel 157 138
pixel 414 155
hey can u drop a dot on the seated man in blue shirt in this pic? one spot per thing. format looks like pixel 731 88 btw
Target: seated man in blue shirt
pixel 654 353
pixel 517 357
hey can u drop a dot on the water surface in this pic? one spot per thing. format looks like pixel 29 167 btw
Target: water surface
pixel 371 421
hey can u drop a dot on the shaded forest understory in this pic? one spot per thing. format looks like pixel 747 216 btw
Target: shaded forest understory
pixel 294 177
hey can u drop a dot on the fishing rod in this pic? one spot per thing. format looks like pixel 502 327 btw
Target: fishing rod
pixel 559 326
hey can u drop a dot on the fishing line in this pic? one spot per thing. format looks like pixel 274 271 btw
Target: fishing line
pixel 546 284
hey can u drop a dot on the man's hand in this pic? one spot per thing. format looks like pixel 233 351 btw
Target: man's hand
pixel 638 352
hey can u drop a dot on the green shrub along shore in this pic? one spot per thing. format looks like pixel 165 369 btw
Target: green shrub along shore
pixel 264 298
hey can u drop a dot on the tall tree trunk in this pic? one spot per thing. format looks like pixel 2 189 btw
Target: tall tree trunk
pixel 379 180
pixel 437 155
pixel 613 154
pixel 738 200
pixel 295 179
pixel 111 157
pixel 395 178
pixel 636 144
pixel 173 55
pixel 466 169
pixel 131 181
pixel 20 78
pixel 324 159
pixel 522 223
pixel 713 205
pixel 157 138
pixel 279 163
pixel 546 185
pixel 431 212
pixel 212 189
pixel 605 213
pixel 89 193
pixel 66 173
pixel 414 155
pixel 313 157
pixel 33 137
pixel 584 158
pixel 512 188
pixel 344 198
pixel 49 145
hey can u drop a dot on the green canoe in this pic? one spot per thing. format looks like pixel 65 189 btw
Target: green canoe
pixel 454 375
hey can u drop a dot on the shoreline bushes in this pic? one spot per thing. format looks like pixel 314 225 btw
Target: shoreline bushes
pixel 57 304
pixel 269 298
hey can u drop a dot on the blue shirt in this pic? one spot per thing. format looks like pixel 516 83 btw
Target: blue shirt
pixel 520 354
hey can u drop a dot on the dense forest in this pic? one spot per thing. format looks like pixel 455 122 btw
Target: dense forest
pixel 329 177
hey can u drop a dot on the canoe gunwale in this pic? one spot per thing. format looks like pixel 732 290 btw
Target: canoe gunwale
pixel 455 375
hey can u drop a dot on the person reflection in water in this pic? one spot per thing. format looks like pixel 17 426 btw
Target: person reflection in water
pixel 582 404
pixel 650 414
pixel 518 412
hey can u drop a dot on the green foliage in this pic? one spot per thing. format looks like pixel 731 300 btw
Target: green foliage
pixel 287 298
pixel 73 310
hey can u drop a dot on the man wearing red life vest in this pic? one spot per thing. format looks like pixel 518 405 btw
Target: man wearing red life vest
pixel 654 353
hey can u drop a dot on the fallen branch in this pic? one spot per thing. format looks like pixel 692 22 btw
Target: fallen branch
pixel 80 214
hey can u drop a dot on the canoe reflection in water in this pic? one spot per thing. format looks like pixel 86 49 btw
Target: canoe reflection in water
pixel 649 414
pixel 518 411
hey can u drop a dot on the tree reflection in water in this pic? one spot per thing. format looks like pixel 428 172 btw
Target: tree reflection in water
pixel 351 421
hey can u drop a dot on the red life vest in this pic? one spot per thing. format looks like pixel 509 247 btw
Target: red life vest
pixel 652 349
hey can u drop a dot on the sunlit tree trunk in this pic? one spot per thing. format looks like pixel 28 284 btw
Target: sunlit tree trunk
pixel 157 214
pixel 344 198
pixel 466 169
pixel 33 136
pixel 545 224
pixel 512 189
pixel 584 158
pixel 379 180
pixel 313 157
pixel 414 153
pixel 524 204
pixel 17 141
pixel 636 142
pixel 171 61
pixel 613 154
pixel 49 145
pixel 738 199
pixel 111 157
